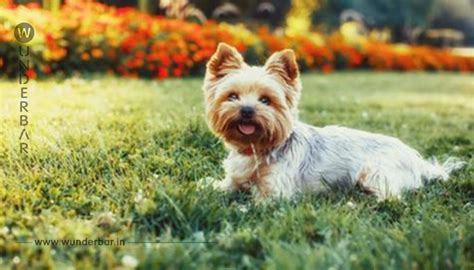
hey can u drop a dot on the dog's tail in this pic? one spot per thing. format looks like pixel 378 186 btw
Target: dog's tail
pixel 436 171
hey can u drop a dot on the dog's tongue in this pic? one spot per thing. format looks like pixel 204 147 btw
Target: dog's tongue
pixel 247 129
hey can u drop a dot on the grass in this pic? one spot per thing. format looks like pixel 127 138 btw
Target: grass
pixel 113 158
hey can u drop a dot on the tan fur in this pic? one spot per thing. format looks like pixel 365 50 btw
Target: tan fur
pixel 274 121
pixel 278 81
pixel 260 178
pixel 254 171
pixel 284 65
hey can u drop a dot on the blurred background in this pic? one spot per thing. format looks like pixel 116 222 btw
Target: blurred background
pixel 433 22
pixel 153 38
pixel 114 157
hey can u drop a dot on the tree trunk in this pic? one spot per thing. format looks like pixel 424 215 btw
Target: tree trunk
pixel 144 6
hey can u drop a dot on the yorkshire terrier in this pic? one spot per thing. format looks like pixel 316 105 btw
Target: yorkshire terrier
pixel 254 111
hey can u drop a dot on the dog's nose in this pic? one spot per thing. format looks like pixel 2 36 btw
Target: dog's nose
pixel 247 112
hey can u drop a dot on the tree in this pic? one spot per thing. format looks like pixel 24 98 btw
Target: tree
pixel 456 15
pixel 402 16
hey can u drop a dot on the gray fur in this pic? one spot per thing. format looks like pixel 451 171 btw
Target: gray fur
pixel 318 159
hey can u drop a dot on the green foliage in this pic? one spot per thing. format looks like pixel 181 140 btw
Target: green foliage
pixel 52 5
pixel 397 15
pixel 456 15
pixel 119 158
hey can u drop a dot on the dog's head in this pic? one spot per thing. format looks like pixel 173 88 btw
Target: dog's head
pixel 247 105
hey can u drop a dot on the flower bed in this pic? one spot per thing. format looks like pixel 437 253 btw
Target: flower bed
pixel 91 37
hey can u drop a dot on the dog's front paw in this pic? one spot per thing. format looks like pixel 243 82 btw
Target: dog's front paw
pixel 225 185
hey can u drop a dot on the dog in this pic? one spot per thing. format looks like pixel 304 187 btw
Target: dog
pixel 253 109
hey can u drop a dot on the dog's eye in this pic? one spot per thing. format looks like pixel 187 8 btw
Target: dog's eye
pixel 233 97
pixel 265 100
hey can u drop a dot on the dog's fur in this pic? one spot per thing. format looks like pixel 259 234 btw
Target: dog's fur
pixel 281 156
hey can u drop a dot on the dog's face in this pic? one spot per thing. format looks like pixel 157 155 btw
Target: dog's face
pixel 251 105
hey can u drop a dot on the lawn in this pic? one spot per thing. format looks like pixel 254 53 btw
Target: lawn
pixel 114 158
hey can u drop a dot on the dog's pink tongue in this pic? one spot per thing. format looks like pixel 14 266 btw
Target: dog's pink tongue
pixel 247 129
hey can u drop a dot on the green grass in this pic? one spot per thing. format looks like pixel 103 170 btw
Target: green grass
pixel 122 159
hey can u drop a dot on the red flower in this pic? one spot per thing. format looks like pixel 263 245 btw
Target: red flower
pixel 132 43
pixel 162 73
pixel 140 54
pixel 327 68
pixel 31 73
pixel 179 58
pixel 165 60
pixel 124 10
pixel 177 72
pixel 49 38
pixel 46 69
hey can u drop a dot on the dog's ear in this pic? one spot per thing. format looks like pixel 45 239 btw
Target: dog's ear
pixel 283 64
pixel 226 59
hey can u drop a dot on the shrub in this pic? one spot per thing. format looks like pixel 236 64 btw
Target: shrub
pixel 92 37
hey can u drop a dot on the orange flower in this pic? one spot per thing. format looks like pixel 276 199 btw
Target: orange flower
pixel 97 53
pixel 139 63
pixel 140 54
pixel 85 56
pixel 161 47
